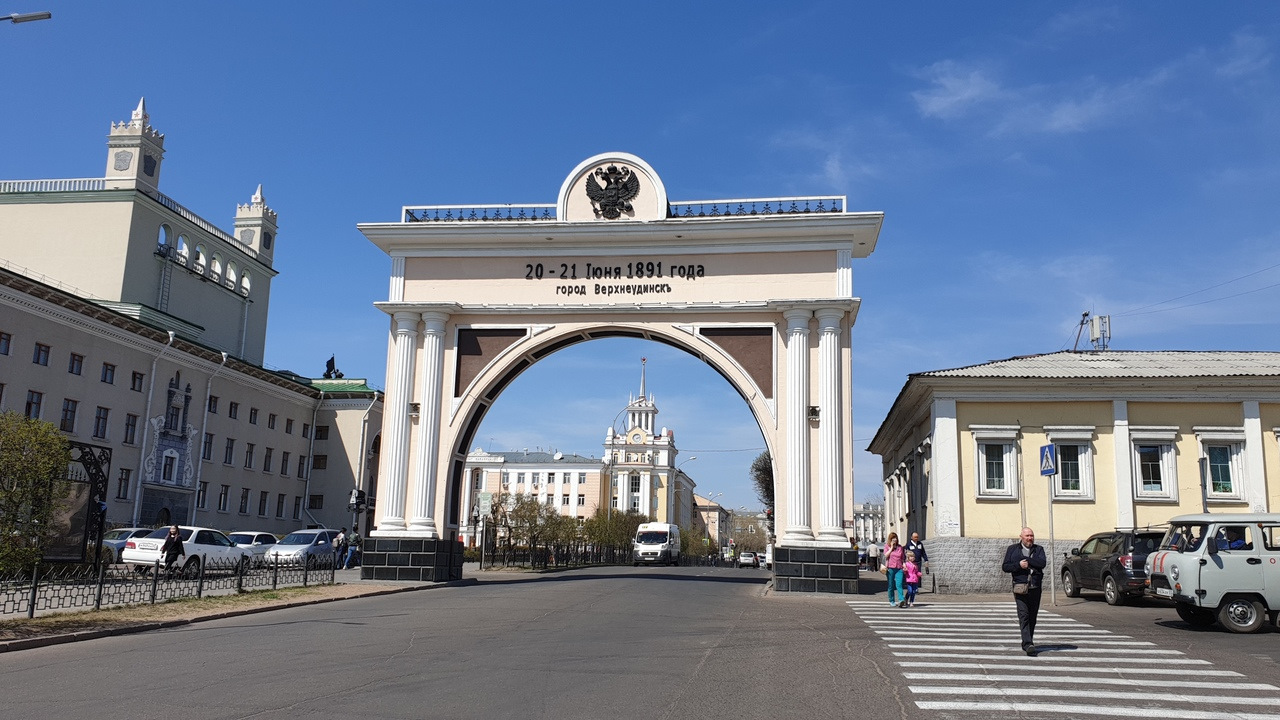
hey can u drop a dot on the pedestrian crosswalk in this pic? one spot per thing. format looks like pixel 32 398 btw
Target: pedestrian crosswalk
pixel 965 660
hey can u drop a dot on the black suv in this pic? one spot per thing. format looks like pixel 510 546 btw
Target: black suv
pixel 1113 562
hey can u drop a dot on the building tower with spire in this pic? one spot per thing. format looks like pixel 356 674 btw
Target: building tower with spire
pixel 134 152
pixel 641 464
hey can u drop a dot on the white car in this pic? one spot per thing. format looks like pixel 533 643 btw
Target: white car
pixel 204 546
pixel 257 542
pixel 748 559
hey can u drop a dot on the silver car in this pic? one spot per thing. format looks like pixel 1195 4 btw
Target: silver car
pixel 256 542
pixel 313 547
pixel 113 541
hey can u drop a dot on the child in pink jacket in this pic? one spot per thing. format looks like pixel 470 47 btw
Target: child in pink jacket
pixel 911 573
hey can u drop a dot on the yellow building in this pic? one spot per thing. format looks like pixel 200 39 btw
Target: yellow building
pixel 1134 433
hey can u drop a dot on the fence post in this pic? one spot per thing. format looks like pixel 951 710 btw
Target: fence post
pixel 306 569
pixel 333 571
pixel 35 585
pixel 102 578
pixel 204 560
pixel 240 568
pixel 275 571
pixel 155 581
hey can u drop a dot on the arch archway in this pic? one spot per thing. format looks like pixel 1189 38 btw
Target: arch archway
pixel 760 289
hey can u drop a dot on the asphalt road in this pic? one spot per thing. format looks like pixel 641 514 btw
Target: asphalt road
pixel 653 643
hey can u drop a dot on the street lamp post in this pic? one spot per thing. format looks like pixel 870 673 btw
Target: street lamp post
pixel 16 18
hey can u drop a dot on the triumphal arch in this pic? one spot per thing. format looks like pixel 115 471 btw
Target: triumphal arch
pixel 761 289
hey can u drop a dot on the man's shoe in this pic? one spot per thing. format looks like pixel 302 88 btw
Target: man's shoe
pixel 1030 650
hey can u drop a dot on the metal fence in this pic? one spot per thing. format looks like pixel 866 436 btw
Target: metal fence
pixel 50 588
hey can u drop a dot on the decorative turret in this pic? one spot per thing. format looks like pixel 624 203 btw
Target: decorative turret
pixel 641 411
pixel 255 227
pixel 134 152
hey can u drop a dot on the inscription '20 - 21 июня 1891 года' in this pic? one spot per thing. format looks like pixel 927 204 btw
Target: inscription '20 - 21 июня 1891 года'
pixel 635 270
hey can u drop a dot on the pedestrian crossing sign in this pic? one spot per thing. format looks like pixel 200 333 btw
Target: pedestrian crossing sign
pixel 1048 460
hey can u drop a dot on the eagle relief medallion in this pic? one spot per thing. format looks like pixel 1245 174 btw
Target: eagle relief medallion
pixel 614 197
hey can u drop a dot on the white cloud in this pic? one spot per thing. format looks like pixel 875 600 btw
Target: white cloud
pixel 954 90
pixel 1248 54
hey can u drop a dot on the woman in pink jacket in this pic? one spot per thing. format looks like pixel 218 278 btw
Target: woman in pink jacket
pixel 895 556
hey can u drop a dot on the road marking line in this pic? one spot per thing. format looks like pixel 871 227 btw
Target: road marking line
pixel 1050 657
pixel 1049 668
pixel 1083 679
pixel 1098 694
pixel 1058 649
pixel 1111 710
pixel 934 640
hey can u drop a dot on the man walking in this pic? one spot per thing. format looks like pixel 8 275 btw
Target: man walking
pixel 353 548
pixel 917 547
pixel 1025 562
pixel 873 557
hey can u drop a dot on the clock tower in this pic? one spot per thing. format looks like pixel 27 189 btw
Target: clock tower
pixel 134 152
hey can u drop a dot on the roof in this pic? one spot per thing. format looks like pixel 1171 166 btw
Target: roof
pixel 1123 364
pixel 354 385
pixel 538 457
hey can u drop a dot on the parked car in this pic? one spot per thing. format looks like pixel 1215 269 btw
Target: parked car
pixel 748 559
pixel 204 547
pixel 313 546
pixel 1113 562
pixel 113 541
pixel 255 541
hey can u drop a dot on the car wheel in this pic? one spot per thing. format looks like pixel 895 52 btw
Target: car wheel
pixel 1241 615
pixel 1070 587
pixel 191 570
pixel 1194 616
pixel 1111 591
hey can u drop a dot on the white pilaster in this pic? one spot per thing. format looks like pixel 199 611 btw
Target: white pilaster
pixel 1255 480
pixel 798 513
pixel 395 453
pixel 830 427
pixel 395 293
pixel 946 467
pixel 428 445
pixel 1123 453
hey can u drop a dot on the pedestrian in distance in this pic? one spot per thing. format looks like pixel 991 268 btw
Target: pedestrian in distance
pixel 873 557
pixel 1025 562
pixel 895 556
pixel 340 547
pixel 917 547
pixel 353 549
pixel 172 549
pixel 911 574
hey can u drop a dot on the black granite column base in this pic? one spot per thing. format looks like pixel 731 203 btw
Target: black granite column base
pixel 416 559
pixel 815 570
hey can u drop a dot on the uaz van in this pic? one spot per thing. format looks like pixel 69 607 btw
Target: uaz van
pixel 656 544
pixel 1220 566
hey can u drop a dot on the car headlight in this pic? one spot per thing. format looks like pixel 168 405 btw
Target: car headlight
pixel 1174 572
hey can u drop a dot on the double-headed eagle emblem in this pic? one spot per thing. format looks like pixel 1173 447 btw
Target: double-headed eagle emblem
pixel 614 198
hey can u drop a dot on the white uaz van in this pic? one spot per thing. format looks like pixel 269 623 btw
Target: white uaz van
pixel 656 544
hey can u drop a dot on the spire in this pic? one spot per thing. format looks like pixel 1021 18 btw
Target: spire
pixel 140 117
pixel 642 362
pixel 257 196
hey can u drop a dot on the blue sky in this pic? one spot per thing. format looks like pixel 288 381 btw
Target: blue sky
pixel 1033 161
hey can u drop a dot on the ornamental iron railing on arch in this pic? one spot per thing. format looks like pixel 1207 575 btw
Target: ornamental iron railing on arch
pixel 733 208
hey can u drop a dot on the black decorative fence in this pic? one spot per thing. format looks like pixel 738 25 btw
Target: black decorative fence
pixel 498 555
pixel 59 587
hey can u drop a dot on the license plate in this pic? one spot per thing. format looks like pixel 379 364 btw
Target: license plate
pixel 147 546
pixel 1165 592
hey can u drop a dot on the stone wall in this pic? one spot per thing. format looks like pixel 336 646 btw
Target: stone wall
pixel 959 565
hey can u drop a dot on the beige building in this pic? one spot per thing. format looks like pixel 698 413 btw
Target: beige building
pixel 1135 433
pixel 135 325
pixel 569 483
pixel 713 519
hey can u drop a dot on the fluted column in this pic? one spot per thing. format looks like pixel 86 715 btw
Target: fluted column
pixel 798 523
pixel 395 452
pixel 424 474
pixel 830 425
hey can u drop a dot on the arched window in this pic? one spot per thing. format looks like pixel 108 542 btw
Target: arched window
pixel 162 241
pixel 245 283
pixel 232 274
pixel 266 240
pixel 216 269
pixel 202 259
pixel 184 252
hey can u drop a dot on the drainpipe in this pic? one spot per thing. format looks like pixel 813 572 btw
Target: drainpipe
pixel 364 426
pixel 146 432
pixel 311 449
pixel 204 425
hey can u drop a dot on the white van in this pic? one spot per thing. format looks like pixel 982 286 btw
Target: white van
pixel 656 544
pixel 1220 566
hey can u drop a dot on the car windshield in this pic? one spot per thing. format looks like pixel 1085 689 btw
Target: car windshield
pixel 162 533
pixel 651 537
pixel 241 538
pixel 299 538
pixel 1186 536
pixel 116 535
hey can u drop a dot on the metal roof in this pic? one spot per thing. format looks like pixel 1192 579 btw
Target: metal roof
pixel 1124 364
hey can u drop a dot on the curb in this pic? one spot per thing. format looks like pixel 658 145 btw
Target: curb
pixel 45 641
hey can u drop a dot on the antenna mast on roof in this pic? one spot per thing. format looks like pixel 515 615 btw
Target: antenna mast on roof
pixel 1100 331
pixel 1084 318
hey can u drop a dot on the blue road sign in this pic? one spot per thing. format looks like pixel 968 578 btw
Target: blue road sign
pixel 1048 460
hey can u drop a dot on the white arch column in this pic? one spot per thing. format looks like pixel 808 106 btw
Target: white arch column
pixel 798 523
pixel 830 425
pixel 424 474
pixel 395 450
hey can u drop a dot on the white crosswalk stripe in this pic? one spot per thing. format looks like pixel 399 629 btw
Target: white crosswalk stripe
pixel 965 660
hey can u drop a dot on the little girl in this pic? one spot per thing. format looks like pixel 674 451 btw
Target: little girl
pixel 912 573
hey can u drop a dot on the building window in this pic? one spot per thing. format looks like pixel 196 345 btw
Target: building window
pixel 322 432
pixel 109 373
pixel 202 495
pixel 519 478
pixel 172 417
pixel 319 462
pixel 229 454
pixel 253 416
pixel 297 507
pixel 68 423
pixel 233 410
pixel 996 457
pixel 136 384
pixel 582 500
pixel 41 355
pixel 284 463
pixel 582 477
pixel 5 340
pixel 244 501
pixel 271 421
pixel 263 498
pixel 306 430
pixel 315 502
pixel 564 500
pixel 1222 451
pixel 75 364
pixel 122 484
pixel 280 505
pixel 1154 469
pixel 224 496
pixel 302 467
pixel 248 455
pixel 100 422
pixel 635 483
pixel 1074 480
pixel 551 500
pixel 206 452
pixel 34 401
pixel 506 478
pixel 130 428
pixel 477 480
pixel 170 462
pixel 266 460
pixel 635 503
pixel 288 426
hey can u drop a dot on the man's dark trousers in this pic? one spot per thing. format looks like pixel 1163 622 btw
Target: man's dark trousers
pixel 1028 609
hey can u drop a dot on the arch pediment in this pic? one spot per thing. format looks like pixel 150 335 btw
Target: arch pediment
pixel 612 187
